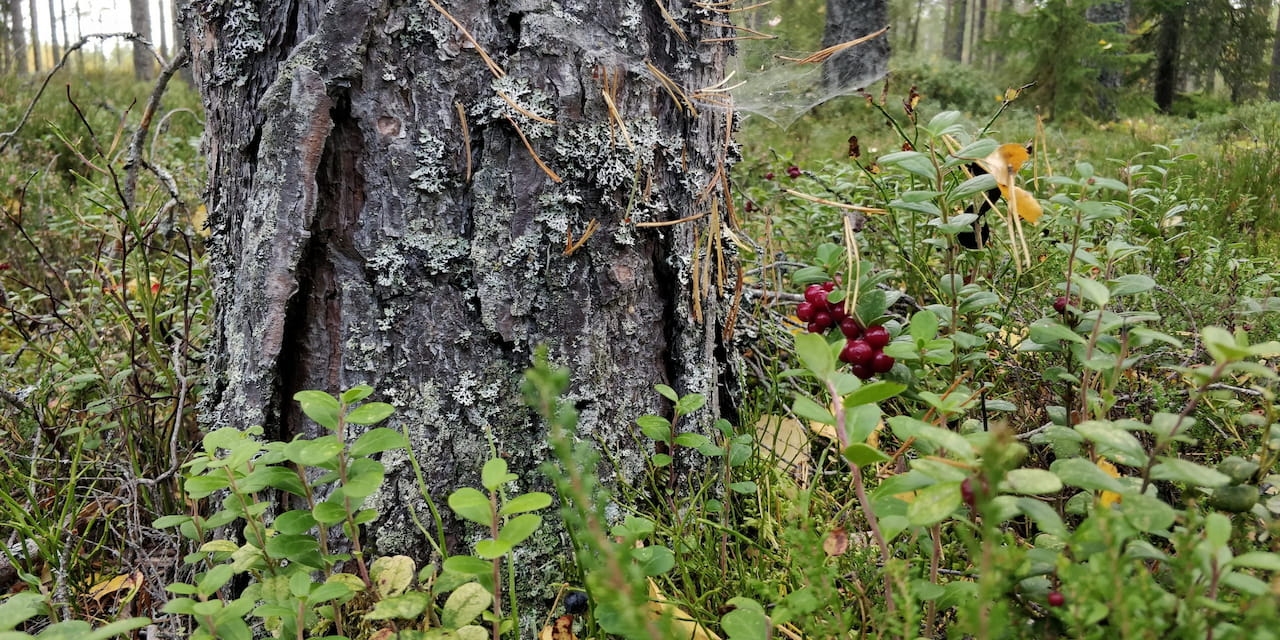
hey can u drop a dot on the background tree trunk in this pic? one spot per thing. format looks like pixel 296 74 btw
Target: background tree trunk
pixel 1109 80
pixel 140 21
pixel 17 37
pixel 363 231
pixel 953 30
pixel 35 36
pixel 1273 82
pixel 1167 45
pixel 861 64
pixel 54 51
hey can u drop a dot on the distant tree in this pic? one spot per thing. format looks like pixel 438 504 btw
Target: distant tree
pixel 35 36
pixel 953 30
pixel 17 38
pixel 140 19
pixel 1172 14
pixel 1273 85
pixel 1109 15
pixel 861 64
pixel 54 51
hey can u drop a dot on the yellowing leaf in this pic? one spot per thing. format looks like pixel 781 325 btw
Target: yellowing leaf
pixel 1004 162
pixel 837 542
pixel 682 623
pixel 128 583
pixel 786 439
pixel 1023 203
pixel 1108 498
pixel 561 629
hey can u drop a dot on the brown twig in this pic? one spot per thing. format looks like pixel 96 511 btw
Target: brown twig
pixel 134 159
pixel 822 55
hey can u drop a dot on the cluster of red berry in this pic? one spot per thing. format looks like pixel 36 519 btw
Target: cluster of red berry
pixel 864 348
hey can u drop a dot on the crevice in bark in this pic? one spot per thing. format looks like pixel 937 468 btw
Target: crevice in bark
pixel 311 355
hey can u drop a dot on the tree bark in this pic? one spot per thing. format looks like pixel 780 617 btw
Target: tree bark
pixel 1167 49
pixel 1273 82
pixel 54 50
pixel 953 38
pixel 17 37
pixel 140 21
pixel 364 231
pixel 35 37
pixel 862 64
pixel 1115 14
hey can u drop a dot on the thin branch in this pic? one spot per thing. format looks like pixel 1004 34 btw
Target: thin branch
pixel 134 159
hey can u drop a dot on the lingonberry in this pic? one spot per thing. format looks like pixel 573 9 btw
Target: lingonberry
pixel 1060 304
pixel 1056 599
pixel 769 176
pixel 829 286
pixel 793 171
pixel 862 371
pixel 814 328
pixel 838 314
pixel 857 352
pixel 849 327
pixel 876 336
pixel 804 311
pixel 817 296
pixel 881 362
pixel 966 492
pixel 823 320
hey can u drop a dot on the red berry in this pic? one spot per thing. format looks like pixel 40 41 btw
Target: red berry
pixel 1060 305
pixel 804 311
pixel 793 171
pixel 816 296
pixel 849 327
pixel 862 371
pixel 881 362
pixel 823 320
pixel 814 328
pixel 857 352
pixel 1056 599
pixel 966 492
pixel 5 266
pixel 750 206
pixel 876 336
pixel 769 176
pixel 838 313
pixel 829 286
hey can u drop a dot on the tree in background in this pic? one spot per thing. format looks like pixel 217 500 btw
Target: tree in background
pixel 861 64
pixel 953 30
pixel 1172 15
pixel 17 37
pixel 1273 84
pixel 417 199
pixel 140 21
pixel 1113 15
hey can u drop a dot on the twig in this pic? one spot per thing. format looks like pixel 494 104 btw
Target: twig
pixel 134 159
pixel 832 203
pixel 822 55
pixel 551 174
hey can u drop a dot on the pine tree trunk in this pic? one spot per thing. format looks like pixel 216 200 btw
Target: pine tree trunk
pixel 54 49
pixel 17 38
pixel 1109 80
pixel 862 64
pixel 35 36
pixel 1167 45
pixel 140 22
pixel 1273 83
pixel 953 48
pixel 364 231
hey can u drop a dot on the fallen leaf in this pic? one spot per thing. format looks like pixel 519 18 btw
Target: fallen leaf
pixel 683 625
pixel 129 582
pixel 837 542
pixel 786 439
pixel 1023 203
pixel 561 629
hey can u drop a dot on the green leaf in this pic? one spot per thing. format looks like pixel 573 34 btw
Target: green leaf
pixel 391 575
pixel 471 504
pixel 109 630
pixel 1079 472
pixel 378 440
pixel 527 502
pixel 861 421
pixel 320 407
pixel 1031 482
pixel 1091 290
pixel 1147 514
pixel 746 621
pixel 519 528
pixel 1130 284
pixel 861 454
pixel 329 512
pixel 976 184
pixel 364 476
pixel 654 560
pixel 296 521
pixel 19 608
pixel 314 453
pixel 815 354
pixel 490 548
pixel 872 304
pixel 1179 470
pixel 406 606
pixel 494 474
pixel 692 440
pixel 656 428
pixel 1114 442
pixel 464 605
pixel 1265 560
pixel 667 392
pixel 873 393
pixel 690 403
pixel 746 487
pixel 356 394
pixel 370 413
pixel 934 504
pixel 810 410
pixel 923 326
pixel 1222 345
pixel 1045 516
pixel 213 579
pixel 468 565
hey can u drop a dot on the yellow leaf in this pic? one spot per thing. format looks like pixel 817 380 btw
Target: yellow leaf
pixel 1004 162
pixel 128 582
pixel 683 625
pixel 1023 203
pixel 561 629
pixel 786 439
pixel 1108 498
